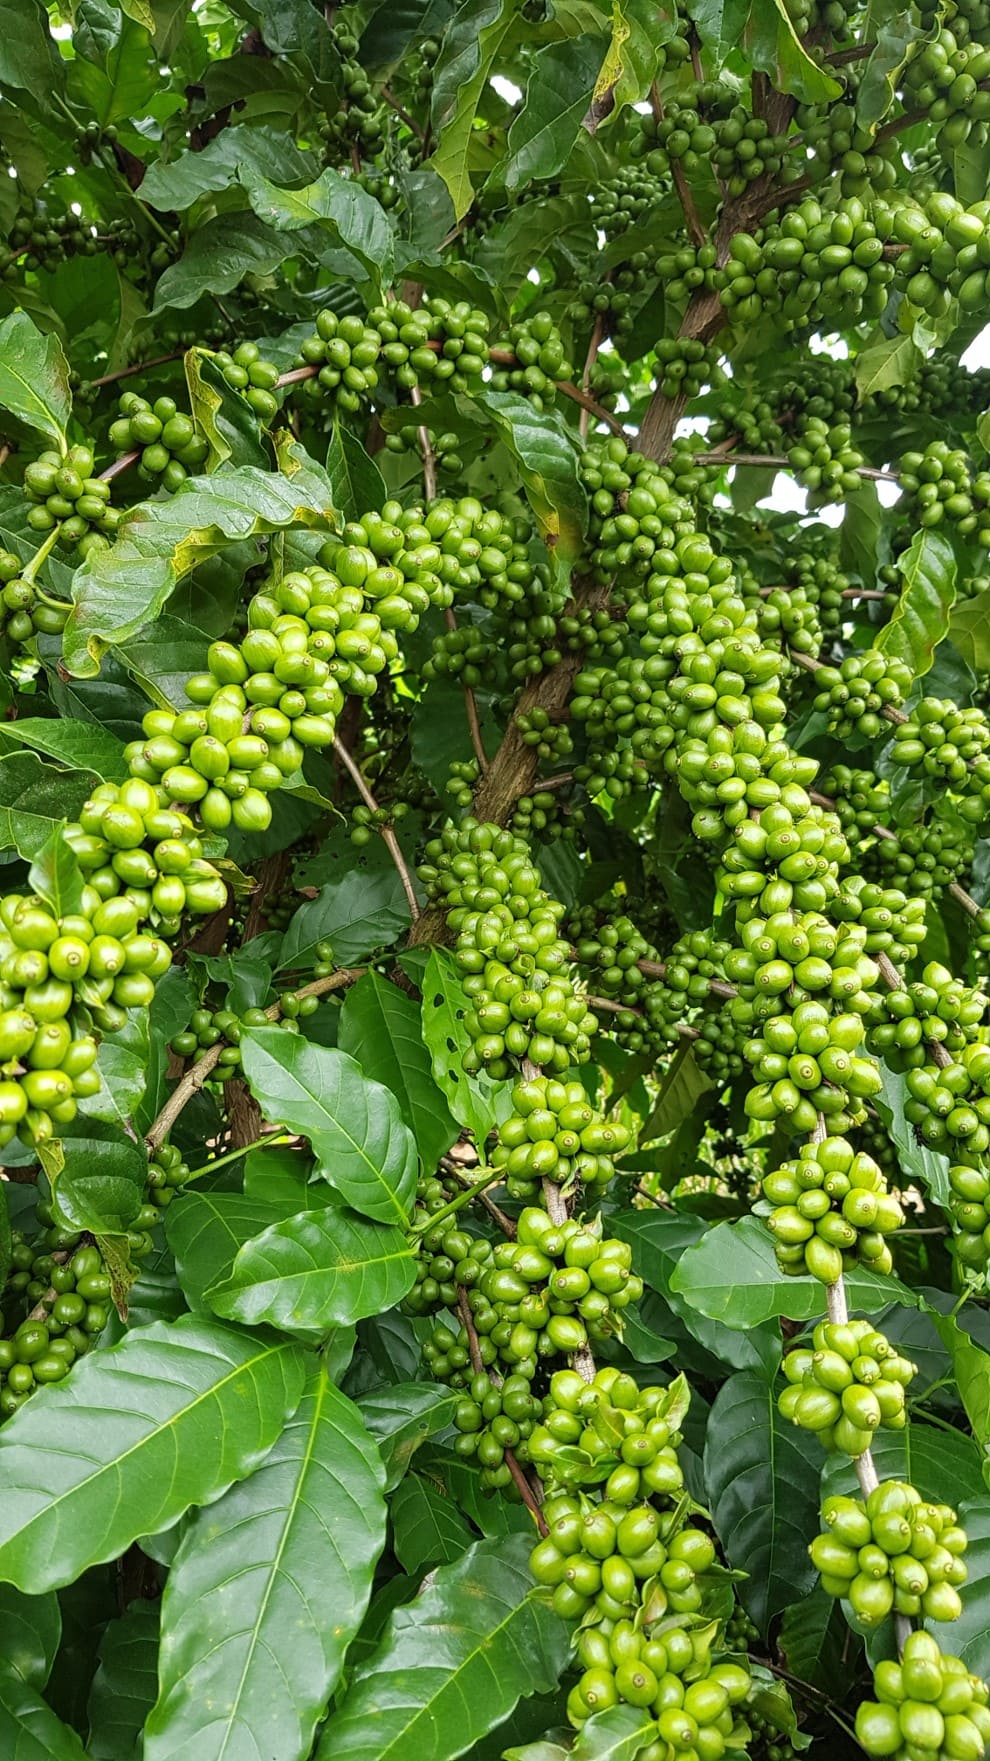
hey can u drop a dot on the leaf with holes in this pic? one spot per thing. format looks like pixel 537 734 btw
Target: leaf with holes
pixel 475 1101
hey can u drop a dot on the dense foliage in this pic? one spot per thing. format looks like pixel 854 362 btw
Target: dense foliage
pixel 495 1104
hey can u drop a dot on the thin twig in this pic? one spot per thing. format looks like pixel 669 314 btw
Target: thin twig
pixel 119 466
pixel 194 1078
pixel 385 832
pixel 594 345
pixel 139 367
pixel 409 121
pixel 426 452
pixel 470 705
pixel 681 185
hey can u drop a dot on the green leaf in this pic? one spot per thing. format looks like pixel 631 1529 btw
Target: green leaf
pixel 169 1013
pixel 971 1632
pixel 362 1148
pixel 206 1230
pixel 114 71
pixel 659 1240
pixel 268 1588
pixel 220 163
pixel 616 1735
pixel 29 1729
pixel 920 618
pixel 34 373
pixel 317 1270
pixel 125 1684
pixel 813 1637
pixel 546 124
pixel 546 457
pixel 339 207
pixel 944 1465
pixel 358 485
pixel 476 1102
pixel 101 1184
pixel 55 875
pixel 223 416
pixel 969 631
pixel 761 1474
pixel 878 87
pixel 428 1529
pixel 381 1027
pixel 35 799
pixel 971 1368
pixel 79 745
pixel 471 44
pixel 684 1082
pixel 120 589
pixel 773 46
pixel 357 914
pixel 170 1417
pixel 732 1275
pixel 634 56
pixel 886 363
pixel 28 57
pixel 218 256
pixel 30 1629
pixel 453 1664
pixel 916 1161
pixel 719 25
pixel 403 1417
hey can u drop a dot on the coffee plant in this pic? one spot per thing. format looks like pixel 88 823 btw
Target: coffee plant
pixel 495 928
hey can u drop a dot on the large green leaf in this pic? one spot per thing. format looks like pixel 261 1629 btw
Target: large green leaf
pixel 659 1240
pixel 382 1028
pixel 969 630
pixel 358 485
pixel 885 363
pixel 55 875
pixel 732 1275
pixel 267 1589
pixel 225 418
pixel 915 1160
pixel 471 44
pixel 218 256
pixel 761 1475
pixel 546 124
pixel 205 1231
pixel 29 1729
pixel 773 45
pixel 35 798
pixel 615 1735
pixel 102 1180
pixel 220 163
pixel 920 618
pixel 813 1638
pixel 34 375
pixel 971 1366
pixel 28 57
pixel 30 1629
pixel 338 207
pixel 543 450
pixel 362 1148
pixel 125 1684
pixel 634 56
pixel 121 588
pixel 170 1417
pixel 114 70
pixel 80 745
pixel 475 1101
pixel 970 1634
pixel 357 913
pixel 315 1271
pixel 403 1417
pixel 428 1529
pixel 453 1664
pixel 944 1465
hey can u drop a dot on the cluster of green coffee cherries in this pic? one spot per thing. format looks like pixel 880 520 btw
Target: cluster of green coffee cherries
pixel 854 695
pixel 829 1208
pixel 943 739
pixel 947 251
pixel 845 1385
pixel 969 1202
pixel 812 264
pixel 67 1291
pixel 25 610
pixel 950 1103
pixel 893 1552
pixel 540 359
pixel 554 1133
pixel 933 1008
pixel 524 1003
pixel 941 487
pixel 163 435
pixel 441 341
pixel 64 493
pixel 928 1705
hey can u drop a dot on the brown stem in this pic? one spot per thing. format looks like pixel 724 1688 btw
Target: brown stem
pixel 588 403
pixel 409 121
pixel 194 1078
pixel 385 832
pixel 426 452
pixel 594 345
pixel 119 466
pixel 780 463
pixel 140 367
pixel 295 374
pixel 470 706
pixel 495 1211
pixel 684 194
